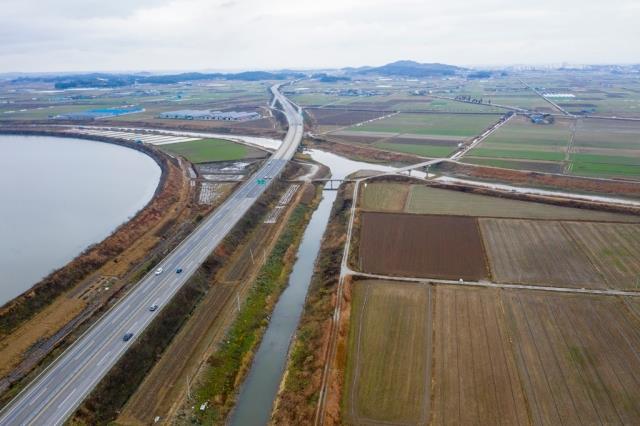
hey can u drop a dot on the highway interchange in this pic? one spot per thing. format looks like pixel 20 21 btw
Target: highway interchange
pixel 55 394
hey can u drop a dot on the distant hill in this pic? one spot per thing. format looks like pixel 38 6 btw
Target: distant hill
pixel 409 69
pixel 119 80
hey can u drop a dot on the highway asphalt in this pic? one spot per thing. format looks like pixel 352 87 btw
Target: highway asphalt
pixel 54 395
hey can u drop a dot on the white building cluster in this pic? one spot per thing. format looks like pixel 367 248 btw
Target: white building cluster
pixel 194 114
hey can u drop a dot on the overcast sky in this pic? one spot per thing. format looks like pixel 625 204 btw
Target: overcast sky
pixel 111 35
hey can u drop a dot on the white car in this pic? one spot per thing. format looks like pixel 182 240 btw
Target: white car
pixel 159 271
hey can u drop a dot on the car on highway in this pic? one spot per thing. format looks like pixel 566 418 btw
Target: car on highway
pixel 153 307
pixel 179 271
pixel 127 337
pixel 159 271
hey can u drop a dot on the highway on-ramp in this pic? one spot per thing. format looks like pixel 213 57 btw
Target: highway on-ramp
pixel 54 395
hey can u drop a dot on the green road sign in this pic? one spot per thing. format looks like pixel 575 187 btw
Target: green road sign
pixel 262 181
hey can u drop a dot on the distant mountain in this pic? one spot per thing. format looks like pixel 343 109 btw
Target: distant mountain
pixel 119 80
pixel 409 69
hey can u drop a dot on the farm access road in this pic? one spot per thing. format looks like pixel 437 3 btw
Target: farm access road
pixel 346 271
pixel 53 396
pixel 599 292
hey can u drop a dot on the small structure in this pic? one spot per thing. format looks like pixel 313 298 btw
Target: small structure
pixel 194 114
pixel 541 118
pixel 95 114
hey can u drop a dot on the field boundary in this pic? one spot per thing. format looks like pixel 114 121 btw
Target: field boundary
pixel 490 284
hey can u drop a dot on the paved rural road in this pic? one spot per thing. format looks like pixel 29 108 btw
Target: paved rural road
pixel 54 395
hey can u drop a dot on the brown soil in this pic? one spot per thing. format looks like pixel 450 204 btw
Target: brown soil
pixel 577 356
pixel 537 252
pixel 447 247
pixel 474 378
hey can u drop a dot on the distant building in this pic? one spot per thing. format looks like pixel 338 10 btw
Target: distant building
pixel 194 114
pixel 96 114
pixel 541 118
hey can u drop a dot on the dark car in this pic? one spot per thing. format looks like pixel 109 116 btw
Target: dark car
pixel 179 270
pixel 127 337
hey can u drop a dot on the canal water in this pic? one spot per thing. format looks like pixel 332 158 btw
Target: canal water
pixel 60 195
pixel 258 393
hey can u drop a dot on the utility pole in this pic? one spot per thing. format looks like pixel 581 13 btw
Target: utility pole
pixel 252 259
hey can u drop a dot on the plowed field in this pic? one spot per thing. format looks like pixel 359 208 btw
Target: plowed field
pixel 475 378
pixel 614 248
pixel 537 252
pixel 421 246
pixel 342 117
pixel 578 357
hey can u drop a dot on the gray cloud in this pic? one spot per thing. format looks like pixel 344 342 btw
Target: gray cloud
pixel 71 35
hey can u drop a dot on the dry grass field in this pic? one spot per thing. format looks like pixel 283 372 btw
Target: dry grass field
pixel 497 357
pixel 614 248
pixel 342 117
pixel 387 377
pixel 537 252
pixel 384 196
pixel 475 378
pixel 423 199
pixel 578 357
pixel 421 246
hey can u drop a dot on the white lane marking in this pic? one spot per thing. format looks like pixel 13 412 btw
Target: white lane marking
pixel 84 350
pixel 61 405
pixel 212 224
pixel 35 398
pixel 103 358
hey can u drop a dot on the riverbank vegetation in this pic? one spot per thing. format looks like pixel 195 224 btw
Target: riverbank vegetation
pixel 228 366
pixel 298 397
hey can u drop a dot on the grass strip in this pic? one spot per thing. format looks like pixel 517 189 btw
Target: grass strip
pixel 227 366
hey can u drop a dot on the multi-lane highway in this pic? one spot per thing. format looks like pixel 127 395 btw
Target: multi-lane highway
pixel 53 396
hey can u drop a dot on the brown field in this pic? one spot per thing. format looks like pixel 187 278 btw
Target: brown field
pixel 614 248
pixel 475 378
pixel 365 140
pixel 577 356
pixel 387 378
pixel 382 196
pixel 421 245
pixel 342 117
pixel 536 252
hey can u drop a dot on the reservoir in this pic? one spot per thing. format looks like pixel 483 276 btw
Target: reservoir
pixel 60 195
